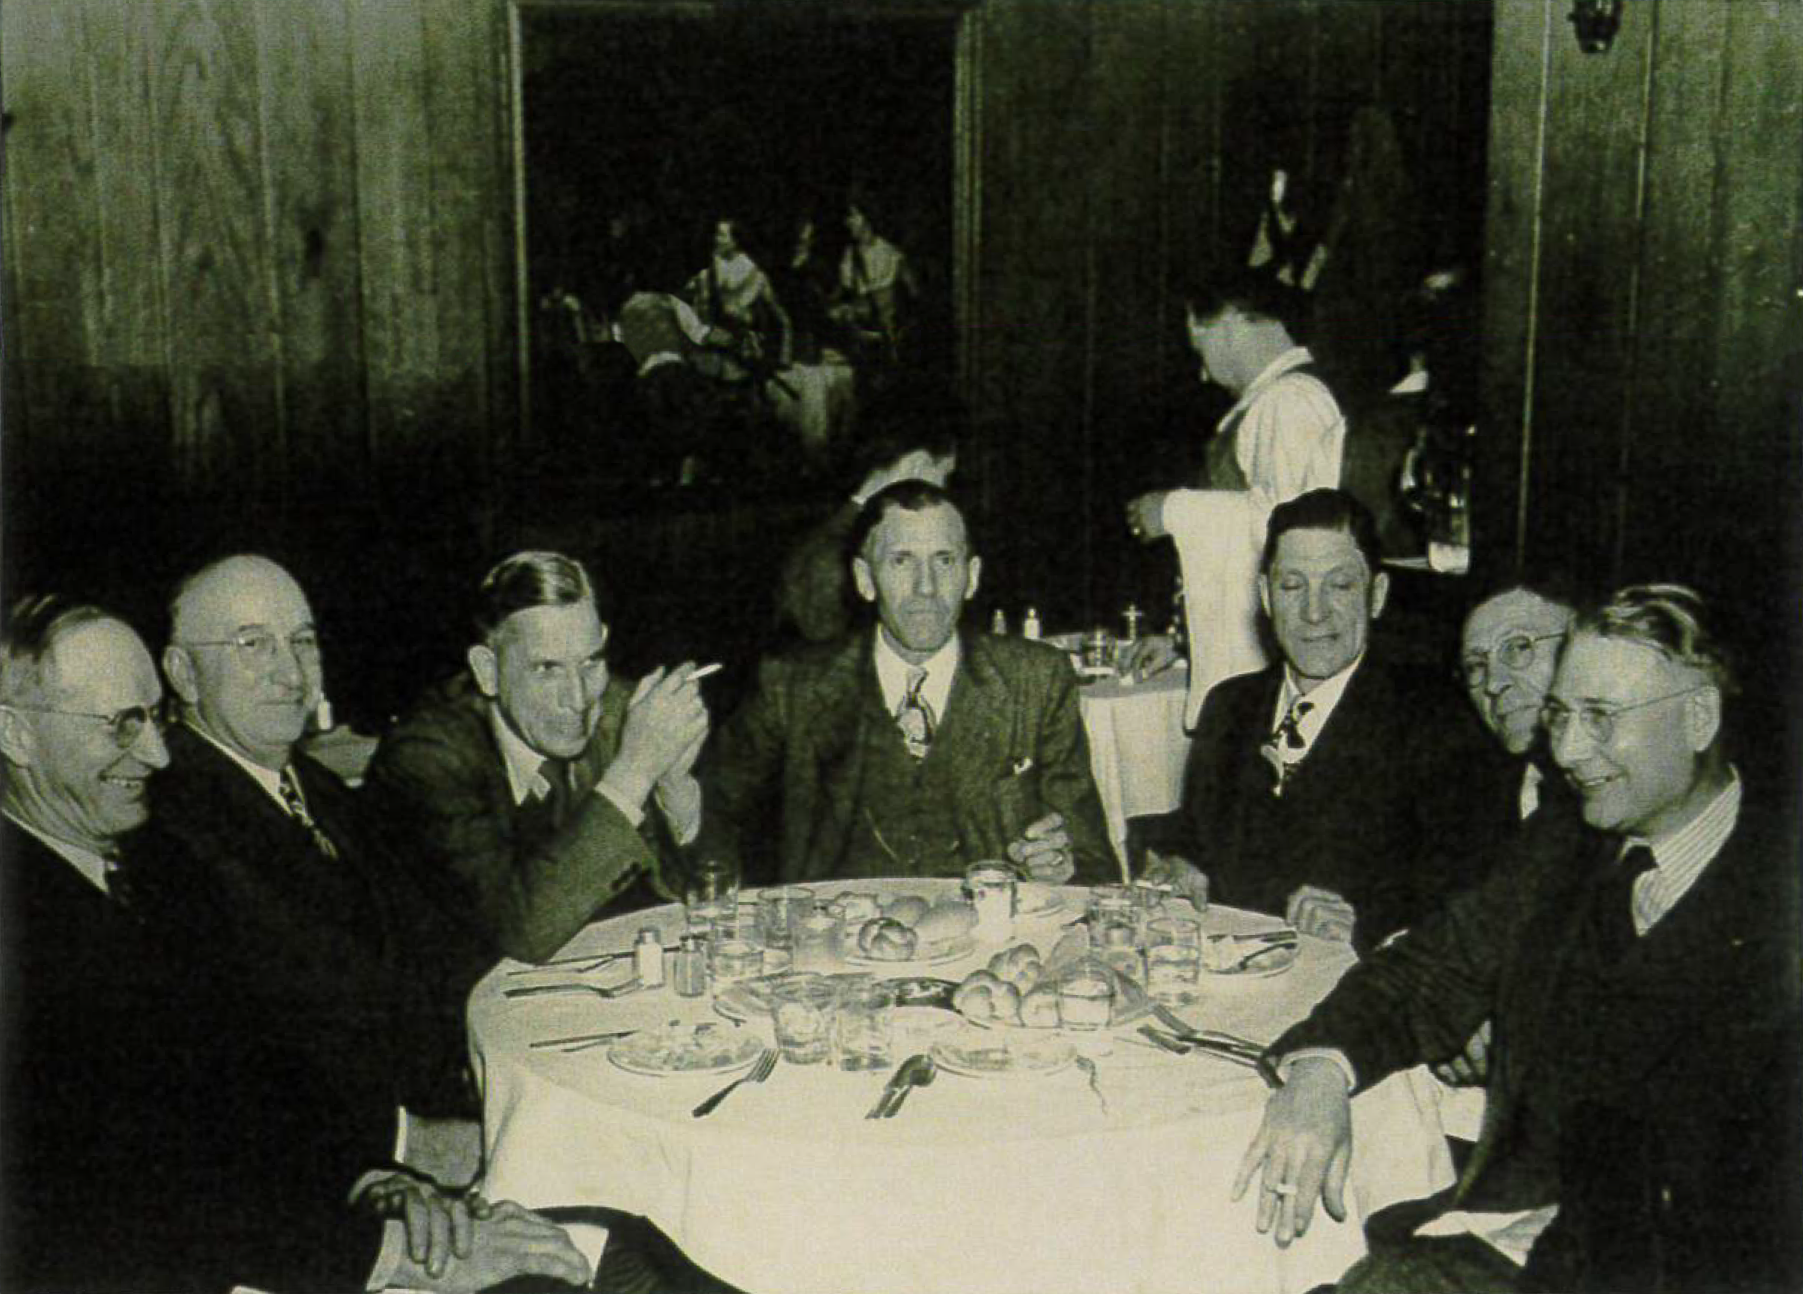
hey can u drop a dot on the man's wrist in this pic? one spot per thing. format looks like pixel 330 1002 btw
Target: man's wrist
pixel 627 786
pixel 1312 1061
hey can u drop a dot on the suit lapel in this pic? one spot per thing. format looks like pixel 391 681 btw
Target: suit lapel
pixel 977 708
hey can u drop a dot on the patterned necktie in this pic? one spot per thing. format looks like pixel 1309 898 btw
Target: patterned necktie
pixel 915 717
pixel 1612 918
pixel 297 809
pixel 1284 748
pixel 557 775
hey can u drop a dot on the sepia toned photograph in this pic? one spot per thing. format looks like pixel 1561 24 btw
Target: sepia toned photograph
pixel 901 646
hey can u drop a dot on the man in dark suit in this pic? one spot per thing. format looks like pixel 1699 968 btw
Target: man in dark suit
pixel 913 750
pixel 1323 787
pixel 524 784
pixel 313 909
pixel 1641 968
pixel 154 1139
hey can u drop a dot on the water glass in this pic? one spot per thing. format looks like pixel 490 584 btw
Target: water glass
pixel 802 1010
pixel 1086 999
pixel 1173 930
pixel 1111 908
pixel 732 959
pixel 864 1025
pixel 991 889
pixel 710 892
pixel 1172 973
pixel 817 940
pixel 779 911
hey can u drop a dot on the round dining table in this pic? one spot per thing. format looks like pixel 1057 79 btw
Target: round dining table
pixel 1035 1183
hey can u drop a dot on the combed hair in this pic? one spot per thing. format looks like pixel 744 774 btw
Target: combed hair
pixel 910 496
pixel 529 579
pixel 1671 619
pixel 34 625
pixel 1324 509
pixel 1257 296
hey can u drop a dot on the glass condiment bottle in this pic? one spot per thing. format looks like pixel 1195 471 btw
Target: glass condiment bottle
pixel 689 967
pixel 1029 623
pixel 998 622
pixel 648 957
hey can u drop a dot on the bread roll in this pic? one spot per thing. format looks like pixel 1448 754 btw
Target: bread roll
pixel 886 940
pixel 907 909
pixel 1019 966
pixel 1039 1009
pixel 944 922
pixel 984 997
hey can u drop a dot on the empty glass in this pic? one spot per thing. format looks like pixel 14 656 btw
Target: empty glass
pixel 1112 907
pixel 991 889
pixel 864 1025
pixel 733 959
pixel 817 940
pixel 779 910
pixel 710 891
pixel 802 1010
pixel 1172 973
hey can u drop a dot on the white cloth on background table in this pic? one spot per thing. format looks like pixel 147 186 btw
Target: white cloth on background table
pixel 1137 748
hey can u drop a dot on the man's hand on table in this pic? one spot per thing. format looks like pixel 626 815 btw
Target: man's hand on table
pixel 1302 1150
pixel 1470 1068
pixel 666 722
pixel 1184 877
pixel 1044 849
pixel 440 1227
pixel 1146 657
pixel 506 1241
pixel 1145 516
pixel 1319 912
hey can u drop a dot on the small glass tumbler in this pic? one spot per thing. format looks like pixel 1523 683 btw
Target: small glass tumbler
pixel 1111 907
pixel 1098 649
pixel 1085 1006
pixel 817 940
pixel 709 893
pixel 779 910
pixel 991 889
pixel 688 967
pixel 1172 973
pixel 732 960
pixel 802 1011
pixel 864 1025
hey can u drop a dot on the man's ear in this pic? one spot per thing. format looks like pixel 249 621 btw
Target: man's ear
pixel 1380 593
pixel 860 575
pixel 485 669
pixel 178 668
pixel 16 741
pixel 976 578
pixel 1264 594
pixel 1703 717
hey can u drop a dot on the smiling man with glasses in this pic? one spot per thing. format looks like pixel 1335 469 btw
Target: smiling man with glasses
pixel 1641 966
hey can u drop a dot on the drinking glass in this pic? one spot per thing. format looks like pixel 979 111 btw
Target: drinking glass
pixel 991 889
pixel 779 910
pixel 734 959
pixel 1111 907
pixel 1086 999
pixel 864 1025
pixel 802 1011
pixel 817 940
pixel 1172 973
pixel 710 892
pixel 1173 930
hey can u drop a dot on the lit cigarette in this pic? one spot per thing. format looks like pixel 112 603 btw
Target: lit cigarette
pixel 705 670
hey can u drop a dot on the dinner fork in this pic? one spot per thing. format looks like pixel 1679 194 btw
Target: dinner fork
pixel 599 990
pixel 1189 1033
pixel 756 1074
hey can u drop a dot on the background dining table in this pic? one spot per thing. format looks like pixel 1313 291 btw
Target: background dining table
pixel 1137 746
pixel 1035 1183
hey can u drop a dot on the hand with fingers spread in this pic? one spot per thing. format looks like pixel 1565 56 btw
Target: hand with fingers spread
pixel 1147 656
pixel 1319 912
pixel 1471 1067
pixel 439 1226
pixel 1044 849
pixel 506 1241
pixel 1183 876
pixel 666 722
pixel 1302 1151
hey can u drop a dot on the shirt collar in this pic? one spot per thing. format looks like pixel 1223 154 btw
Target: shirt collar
pixel 892 673
pixel 525 766
pixel 1294 357
pixel 1698 841
pixel 270 781
pixel 92 866
pixel 1322 698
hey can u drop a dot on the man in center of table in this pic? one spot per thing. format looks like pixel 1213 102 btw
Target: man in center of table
pixel 911 749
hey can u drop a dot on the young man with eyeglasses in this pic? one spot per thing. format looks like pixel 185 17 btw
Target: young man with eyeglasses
pixel 1641 965
pixel 306 897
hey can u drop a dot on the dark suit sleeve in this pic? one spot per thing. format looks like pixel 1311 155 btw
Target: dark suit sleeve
pixel 527 901
pixel 1067 782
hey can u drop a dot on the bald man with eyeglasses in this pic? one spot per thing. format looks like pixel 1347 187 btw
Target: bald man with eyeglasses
pixel 1640 962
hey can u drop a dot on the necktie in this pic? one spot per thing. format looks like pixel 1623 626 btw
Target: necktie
pixel 915 717
pixel 556 773
pixel 1284 748
pixel 1613 916
pixel 297 809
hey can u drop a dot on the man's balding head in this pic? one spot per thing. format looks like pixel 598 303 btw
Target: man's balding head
pixel 243 656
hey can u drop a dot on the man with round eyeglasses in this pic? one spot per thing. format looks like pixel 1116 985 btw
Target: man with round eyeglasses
pixel 1641 965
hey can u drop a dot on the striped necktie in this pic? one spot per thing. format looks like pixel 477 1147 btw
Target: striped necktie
pixel 1285 747
pixel 297 809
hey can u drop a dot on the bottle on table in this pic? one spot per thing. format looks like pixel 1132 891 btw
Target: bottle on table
pixel 1029 624
pixel 648 957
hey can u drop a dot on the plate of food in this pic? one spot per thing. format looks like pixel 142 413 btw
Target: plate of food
pixel 750 999
pixel 980 1055
pixel 915 953
pixel 1249 956
pixel 682 1049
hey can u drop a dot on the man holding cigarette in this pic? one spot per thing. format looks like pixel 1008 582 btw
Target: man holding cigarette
pixel 911 749
pixel 525 781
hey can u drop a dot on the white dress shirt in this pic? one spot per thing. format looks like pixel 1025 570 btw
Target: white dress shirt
pixel 892 673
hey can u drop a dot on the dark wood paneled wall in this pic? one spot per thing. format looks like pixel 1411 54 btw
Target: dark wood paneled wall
pixel 1645 297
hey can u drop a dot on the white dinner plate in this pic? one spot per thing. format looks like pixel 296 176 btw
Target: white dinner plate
pixel 1275 962
pixel 931 955
pixel 749 999
pixel 1010 1056
pixel 687 1050
pixel 1033 899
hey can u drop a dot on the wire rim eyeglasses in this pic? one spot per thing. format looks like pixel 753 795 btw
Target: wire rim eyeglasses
pixel 259 646
pixel 125 726
pixel 1599 721
pixel 1517 652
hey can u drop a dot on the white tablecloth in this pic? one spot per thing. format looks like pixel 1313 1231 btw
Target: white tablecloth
pixel 1136 747
pixel 978 1185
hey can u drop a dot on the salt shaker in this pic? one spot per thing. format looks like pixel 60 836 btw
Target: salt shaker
pixel 648 958
pixel 998 623
pixel 1029 623
pixel 690 967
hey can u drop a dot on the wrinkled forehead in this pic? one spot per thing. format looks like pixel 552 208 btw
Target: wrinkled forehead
pixel 1508 614
pixel 1311 552
pixel 101 666
pixel 936 529
pixel 239 594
